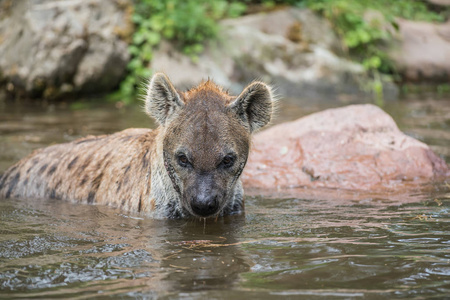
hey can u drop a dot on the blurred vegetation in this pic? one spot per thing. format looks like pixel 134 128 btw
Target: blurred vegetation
pixel 364 27
pixel 364 35
pixel 187 23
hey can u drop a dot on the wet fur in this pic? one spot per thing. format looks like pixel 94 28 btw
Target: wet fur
pixel 128 169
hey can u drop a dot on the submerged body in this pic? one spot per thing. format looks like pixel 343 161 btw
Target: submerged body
pixel 189 166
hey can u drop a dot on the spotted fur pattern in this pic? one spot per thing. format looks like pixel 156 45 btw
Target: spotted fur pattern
pixel 136 169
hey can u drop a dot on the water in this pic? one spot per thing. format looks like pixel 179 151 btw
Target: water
pixel 305 243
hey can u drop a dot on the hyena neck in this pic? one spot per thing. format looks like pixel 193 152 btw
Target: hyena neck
pixel 236 205
pixel 168 204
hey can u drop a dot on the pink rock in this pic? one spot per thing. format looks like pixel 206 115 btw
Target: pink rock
pixel 357 147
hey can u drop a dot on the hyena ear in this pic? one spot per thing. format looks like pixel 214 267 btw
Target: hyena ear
pixel 254 106
pixel 162 100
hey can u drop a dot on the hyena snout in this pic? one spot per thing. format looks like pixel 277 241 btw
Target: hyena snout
pixel 205 204
pixel 205 196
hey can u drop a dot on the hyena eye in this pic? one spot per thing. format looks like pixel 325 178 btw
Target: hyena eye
pixel 228 161
pixel 183 160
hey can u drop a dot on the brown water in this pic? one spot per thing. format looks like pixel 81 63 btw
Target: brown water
pixel 322 245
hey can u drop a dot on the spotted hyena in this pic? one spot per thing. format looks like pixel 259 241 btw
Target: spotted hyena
pixel 189 166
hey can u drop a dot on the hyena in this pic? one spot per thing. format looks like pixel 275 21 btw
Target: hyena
pixel 188 167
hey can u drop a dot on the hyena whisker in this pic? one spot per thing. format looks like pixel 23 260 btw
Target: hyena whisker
pixel 189 166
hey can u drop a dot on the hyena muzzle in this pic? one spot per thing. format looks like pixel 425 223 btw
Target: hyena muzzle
pixel 189 166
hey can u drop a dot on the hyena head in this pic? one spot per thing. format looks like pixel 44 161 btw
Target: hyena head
pixel 205 136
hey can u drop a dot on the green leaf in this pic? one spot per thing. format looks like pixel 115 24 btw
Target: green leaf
pixel 364 36
pixel 153 38
pixel 138 38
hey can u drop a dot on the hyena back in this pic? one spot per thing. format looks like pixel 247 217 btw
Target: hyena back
pixel 189 166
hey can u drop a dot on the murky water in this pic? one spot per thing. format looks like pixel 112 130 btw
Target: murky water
pixel 310 244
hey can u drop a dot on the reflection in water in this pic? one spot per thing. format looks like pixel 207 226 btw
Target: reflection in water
pixel 205 256
pixel 303 243
pixel 69 248
pixel 283 246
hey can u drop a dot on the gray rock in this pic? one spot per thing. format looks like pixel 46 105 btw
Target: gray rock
pixel 440 2
pixel 421 52
pixel 293 49
pixel 53 47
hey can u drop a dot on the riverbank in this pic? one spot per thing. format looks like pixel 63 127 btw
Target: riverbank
pixel 61 49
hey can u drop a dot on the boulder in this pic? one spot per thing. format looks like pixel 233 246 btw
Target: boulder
pixel 439 2
pixel 422 51
pixel 357 147
pixel 291 48
pixel 52 47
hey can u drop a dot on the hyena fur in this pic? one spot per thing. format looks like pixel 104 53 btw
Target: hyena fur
pixel 188 167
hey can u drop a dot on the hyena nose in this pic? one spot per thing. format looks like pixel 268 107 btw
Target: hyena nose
pixel 205 205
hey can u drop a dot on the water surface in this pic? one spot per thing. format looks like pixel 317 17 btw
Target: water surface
pixel 307 244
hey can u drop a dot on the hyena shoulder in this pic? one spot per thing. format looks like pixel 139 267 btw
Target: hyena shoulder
pixel 189 166
pixel 86 170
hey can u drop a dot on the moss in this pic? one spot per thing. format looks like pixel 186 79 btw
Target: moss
pixel 5 8
pixel 294 32
pixel 125 32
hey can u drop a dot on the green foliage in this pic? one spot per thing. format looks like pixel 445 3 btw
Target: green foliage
pixel 187 23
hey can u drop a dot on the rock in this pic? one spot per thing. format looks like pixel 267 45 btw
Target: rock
pixel 52 47
pixel 184 73
pixel 292 48
pixel 422 51
pixel 440 2
pixel 357 147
